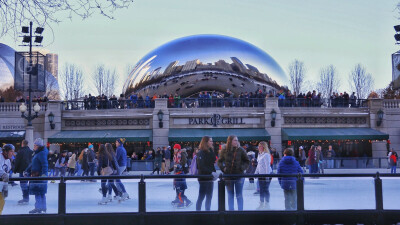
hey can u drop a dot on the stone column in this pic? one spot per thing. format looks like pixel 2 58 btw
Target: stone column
pixel 29 136
pixel 160 135
pixel 379 147
pixel 275 132
pixel 55 108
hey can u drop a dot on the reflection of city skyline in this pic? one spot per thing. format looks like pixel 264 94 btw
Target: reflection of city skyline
pixel 173 68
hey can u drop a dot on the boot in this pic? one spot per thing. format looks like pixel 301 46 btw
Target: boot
pixel 23 202
pixel 260 206
pixel 125 196
pixel 109 198
pixel 103 201
pixel 267 206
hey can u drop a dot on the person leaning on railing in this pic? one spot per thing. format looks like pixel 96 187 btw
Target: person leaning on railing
pixel 5 166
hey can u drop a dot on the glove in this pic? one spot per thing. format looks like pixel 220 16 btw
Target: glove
pixel 5 177
pixel 26 174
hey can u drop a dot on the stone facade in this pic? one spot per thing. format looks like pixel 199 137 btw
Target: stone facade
pixel 217 118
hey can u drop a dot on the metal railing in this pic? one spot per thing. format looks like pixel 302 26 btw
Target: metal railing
pixel 333 103
pixel 300 215
pixel 109 104
pixel 215 102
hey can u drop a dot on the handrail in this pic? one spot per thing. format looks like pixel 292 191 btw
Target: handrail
pixel 299 216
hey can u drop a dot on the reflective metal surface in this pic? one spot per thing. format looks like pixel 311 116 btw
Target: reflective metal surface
pixel 7 72
pixel 205 63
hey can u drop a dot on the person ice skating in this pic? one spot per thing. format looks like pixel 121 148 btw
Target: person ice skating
pixel 72 164
pixel 233 160
pixel 180 187
pixel 91 156
pixel 62 163
pixel 302 158
pixel 157 161
pixel 392 161
pixel 38 168
pixel 22 161
pixel 204 161
pixel 264 167
pixel 5 166
pixel 121 159
pixel 289 165
pixel 107 166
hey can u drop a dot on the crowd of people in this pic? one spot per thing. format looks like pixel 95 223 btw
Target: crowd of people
pixel 231 158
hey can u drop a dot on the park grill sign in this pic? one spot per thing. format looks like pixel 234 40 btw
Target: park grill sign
pixel 215 120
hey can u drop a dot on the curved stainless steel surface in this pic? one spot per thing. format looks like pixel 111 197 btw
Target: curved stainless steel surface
pixel 205 63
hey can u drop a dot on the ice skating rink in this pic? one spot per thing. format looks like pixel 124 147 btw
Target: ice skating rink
pixel 319 194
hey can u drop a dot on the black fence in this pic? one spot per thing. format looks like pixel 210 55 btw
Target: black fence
pixel 333 103
pixel 107 104
pixel 300 215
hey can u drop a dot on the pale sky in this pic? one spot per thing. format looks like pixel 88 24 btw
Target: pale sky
pixel 317 32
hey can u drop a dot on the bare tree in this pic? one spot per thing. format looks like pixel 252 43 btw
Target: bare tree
pixel 329 81
pixel 297 73
pixel 360 81
pixel 104 80
pixel 52 87
pixel 16 13
pixel 72 82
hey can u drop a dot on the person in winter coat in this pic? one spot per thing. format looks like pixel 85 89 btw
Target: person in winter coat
pixel 180 186
pixel 83 158
pixel 193 166
pixel 106 158
pixel 264 167
pixel 71 165
pixel 157 161
pixel 121 157
pixel 5 166
pixel 91 156
pixel 392 161
pixel 167 159
pixel 52 159
pixel 62 163
pixel 38 168
pixel 302 158
pixel 289 165
pixel 204 161
pixel 252 167
pixel 312 160
pixel 233 160
pixel 22 161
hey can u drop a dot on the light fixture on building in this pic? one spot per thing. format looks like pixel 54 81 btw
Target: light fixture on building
pixel 160 115
pixel 380 117
pixel 25 30
pixel 273 117
pixel 51 120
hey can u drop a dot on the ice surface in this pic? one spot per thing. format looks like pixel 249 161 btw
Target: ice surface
pixel 319 194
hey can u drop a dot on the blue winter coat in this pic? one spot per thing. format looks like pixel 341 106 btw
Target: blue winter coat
pixel 38 167
pixel 121 156
pixel 288 165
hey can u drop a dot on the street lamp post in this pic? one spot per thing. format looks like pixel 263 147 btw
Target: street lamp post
pixel 23 108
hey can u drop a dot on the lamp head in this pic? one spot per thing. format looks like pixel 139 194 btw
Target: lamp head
pixel 36 108
pixel 160 115
pixel 22 108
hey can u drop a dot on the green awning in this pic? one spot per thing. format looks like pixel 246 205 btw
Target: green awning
pixel 218 134
pixel 293 134
pixel 12 135
pixel 79 136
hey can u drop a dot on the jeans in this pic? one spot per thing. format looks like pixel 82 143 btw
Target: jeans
pixel 232 186
pixel 120 186
pixel 330 163
pixel 91 168
pixel 40 201
pixel 393 169
pixel 264 189
pixel 105 187
pixel 51 172
pixel 205 191
pixel 24 187
pixel 62 170
pixel 290 199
